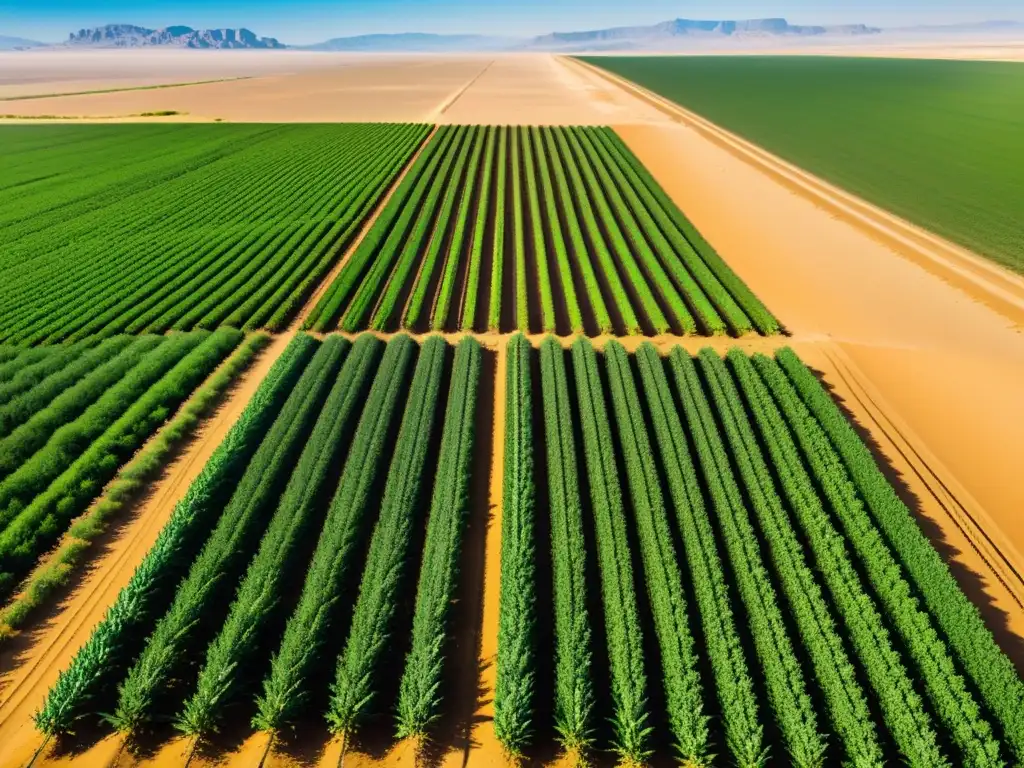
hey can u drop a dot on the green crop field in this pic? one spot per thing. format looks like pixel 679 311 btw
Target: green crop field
pixel 536 229
pixel 728 572
pixel 936 142
pixel 111 229
pixel 71 414
pixel 339 495
pixel 653 555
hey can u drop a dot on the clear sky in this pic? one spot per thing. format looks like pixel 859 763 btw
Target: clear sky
pixel 308 21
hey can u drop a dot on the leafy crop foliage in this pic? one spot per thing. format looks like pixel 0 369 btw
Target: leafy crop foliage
pixel 283 566
pixel 762 594
pixel 111 229
pixel 536 229
pixel 936 142
pixel 67 437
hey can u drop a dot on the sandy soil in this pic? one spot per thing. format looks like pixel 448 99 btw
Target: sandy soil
pixel 325 88
pixel 29 665
pixel 26 73
pixel 537 90
pixel 505 89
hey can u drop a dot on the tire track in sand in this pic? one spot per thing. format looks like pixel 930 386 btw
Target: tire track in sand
pixel 984 536
pixel 32 662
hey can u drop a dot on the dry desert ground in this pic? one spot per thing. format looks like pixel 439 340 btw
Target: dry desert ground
pixel 921 342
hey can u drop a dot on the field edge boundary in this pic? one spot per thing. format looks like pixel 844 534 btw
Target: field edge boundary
pixel 975 275
pixel 962 510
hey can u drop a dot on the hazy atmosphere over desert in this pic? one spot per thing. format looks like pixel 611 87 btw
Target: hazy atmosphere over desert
pixel 439 383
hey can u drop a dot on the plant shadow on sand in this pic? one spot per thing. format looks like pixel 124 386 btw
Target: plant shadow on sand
pixel 972 583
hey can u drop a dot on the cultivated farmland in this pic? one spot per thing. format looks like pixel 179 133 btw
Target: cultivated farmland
pixel 71 415
pixel 330 521
pixel 458 522
pixel 537 229
pixel 730 574
pixel 936 142
pixel 106 230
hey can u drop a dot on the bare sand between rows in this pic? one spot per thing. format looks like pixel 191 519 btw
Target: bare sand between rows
pixel 30 667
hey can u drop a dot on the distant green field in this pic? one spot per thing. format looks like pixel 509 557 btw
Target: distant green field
pixel 940 143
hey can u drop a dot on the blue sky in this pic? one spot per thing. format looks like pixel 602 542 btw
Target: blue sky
pixel 306 21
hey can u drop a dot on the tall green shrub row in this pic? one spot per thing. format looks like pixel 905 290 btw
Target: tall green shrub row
pixel 420 694
pixel 471 290
pixel 88 683
pixel 783 677
pixel 927 652
pixel 457 181
pixel 549 225
pixel 166 383
pixel 289 684
pixel 157 683
pixel 630 711
pixel 257 606
pixel 679 663
pixel 734 686
pixel 515 689
pixel 455 256
pixel 574 687
pixel 357 676
pixel 993 674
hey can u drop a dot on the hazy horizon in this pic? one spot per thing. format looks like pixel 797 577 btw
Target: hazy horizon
pixel 312 21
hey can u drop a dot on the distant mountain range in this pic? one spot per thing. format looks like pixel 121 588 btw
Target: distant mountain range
pixel 668 31
pixel 129 36
pixel 17 43
pixel 677 33
pixel 970 27
pixel 412 42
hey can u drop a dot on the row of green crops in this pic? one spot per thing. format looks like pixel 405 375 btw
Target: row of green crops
pixel 868 125
pixel 762 593
pixel 71 415
pixel 283 566
pixel 181 227
pixel 537 229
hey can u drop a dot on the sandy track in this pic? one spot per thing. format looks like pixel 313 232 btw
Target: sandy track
pixel 32 662
pixel 482 745
pixel 531 89
pixel 979 277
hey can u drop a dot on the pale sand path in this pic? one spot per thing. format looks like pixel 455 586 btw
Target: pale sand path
pixel 530 89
